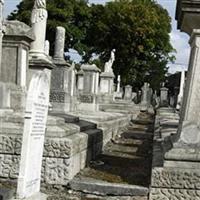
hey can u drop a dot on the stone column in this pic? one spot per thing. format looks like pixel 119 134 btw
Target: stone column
pixel 181 89
pixel 39 22
pixel 190 115
pixel 59 44
pixel 88 99
pixel 128 93
pixel 61 96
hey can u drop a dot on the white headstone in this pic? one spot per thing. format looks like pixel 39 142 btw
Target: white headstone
pixel 33 136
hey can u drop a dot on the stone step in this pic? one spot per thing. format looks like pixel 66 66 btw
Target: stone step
pixel 141 135
pixel 94 186
pixel 85 125
pixel 94 136
pixel 68 118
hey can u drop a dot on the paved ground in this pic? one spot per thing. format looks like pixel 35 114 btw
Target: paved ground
pixel 123 167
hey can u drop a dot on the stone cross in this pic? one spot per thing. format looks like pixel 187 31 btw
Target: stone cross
pixel 59 43
pixel 39 22
pixel 33 136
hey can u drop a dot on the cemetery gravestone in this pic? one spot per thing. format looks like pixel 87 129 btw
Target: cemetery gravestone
pixel 33 136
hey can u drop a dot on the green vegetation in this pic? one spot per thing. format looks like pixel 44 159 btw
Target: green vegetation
pixel 137 29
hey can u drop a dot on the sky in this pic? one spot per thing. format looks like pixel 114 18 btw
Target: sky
pixel 178 40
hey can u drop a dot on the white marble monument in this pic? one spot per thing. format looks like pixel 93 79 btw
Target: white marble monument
pixel 33 136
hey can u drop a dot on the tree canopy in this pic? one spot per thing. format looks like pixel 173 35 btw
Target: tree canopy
pixel 137 29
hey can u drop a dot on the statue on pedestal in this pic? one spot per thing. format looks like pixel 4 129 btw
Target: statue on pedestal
pixel 108 65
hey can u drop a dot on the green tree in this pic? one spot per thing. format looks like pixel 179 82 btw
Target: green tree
pixel 139 31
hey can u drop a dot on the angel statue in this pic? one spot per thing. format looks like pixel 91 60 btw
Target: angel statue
pixel 108 65
pixel 40 4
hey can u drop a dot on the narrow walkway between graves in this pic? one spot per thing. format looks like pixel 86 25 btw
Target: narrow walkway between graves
pixel 123 169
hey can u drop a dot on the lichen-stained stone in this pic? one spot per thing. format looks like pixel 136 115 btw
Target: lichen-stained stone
pixel 176 178
pixel 56 171
pixel 60 148
pixel 9 166
pixel 174 194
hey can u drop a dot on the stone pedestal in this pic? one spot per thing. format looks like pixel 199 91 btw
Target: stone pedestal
pixel 16 42
pixel 80 81
pixel 164 101
pixel 128 93
pixel 106 87
pixel 88 99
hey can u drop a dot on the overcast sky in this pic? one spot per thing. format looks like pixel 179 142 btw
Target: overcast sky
pixel 178 40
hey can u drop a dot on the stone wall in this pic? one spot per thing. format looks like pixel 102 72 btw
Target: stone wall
pixel 66 149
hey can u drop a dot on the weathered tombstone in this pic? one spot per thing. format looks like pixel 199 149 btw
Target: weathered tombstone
pixel 164 96
pixel 106 83
pixel 33 136
pixel 144 97
pixel 80 81
pixel 88 99
pixel 128 93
